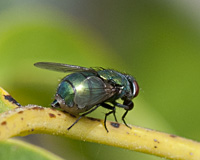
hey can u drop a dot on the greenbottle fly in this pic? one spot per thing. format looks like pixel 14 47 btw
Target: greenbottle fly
pixel 85 89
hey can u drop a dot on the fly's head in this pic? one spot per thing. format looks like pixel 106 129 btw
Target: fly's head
pixel 134 87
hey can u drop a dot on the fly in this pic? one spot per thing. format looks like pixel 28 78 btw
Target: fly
pixel 85 89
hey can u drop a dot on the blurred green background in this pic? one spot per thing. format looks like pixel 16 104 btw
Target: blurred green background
pixel 156 42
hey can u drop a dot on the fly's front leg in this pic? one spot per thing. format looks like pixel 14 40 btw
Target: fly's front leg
pixel 127 105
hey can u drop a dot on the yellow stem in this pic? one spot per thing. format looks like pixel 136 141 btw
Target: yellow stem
pixel 34 119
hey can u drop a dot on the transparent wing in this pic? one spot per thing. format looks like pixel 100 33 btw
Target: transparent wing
pixel 92 91
pixel 60 67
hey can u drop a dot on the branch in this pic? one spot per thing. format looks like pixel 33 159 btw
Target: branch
pixel 34 119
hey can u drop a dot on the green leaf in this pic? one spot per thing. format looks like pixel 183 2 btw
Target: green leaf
pixel 13 149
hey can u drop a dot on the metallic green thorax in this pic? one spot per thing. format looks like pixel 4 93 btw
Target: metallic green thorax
pixel 117 78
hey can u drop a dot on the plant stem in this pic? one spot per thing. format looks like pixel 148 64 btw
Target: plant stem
pixel 33 119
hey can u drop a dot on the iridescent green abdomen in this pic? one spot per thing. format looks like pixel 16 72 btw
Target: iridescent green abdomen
pixel 81 91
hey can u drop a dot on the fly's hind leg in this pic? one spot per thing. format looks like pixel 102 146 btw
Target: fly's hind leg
pixel 84 114
pixel 127 105
pixel 105 105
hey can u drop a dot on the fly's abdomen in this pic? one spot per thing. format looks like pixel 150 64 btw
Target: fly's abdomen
pixel 66 92
pixel 81 91
pixel 78 92
pixel 90 92
pixel 68 87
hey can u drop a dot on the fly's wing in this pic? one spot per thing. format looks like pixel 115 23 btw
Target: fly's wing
pixel 92 91
pixel 60 67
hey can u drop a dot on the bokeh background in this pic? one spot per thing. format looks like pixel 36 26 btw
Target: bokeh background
pixel 158 42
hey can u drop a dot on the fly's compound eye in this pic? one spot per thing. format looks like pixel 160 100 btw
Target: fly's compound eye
pixel 133 85
pixel 135 88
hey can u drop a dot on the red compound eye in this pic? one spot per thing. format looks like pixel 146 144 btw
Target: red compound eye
pixel 135 88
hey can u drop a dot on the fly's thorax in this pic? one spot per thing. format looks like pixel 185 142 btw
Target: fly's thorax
pixel 119 80
pixel 111 75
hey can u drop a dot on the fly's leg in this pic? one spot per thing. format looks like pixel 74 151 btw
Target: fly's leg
pixel 127 105
pixel 105 105
pixel 107 114
pixel 83 116
pixel 124 115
